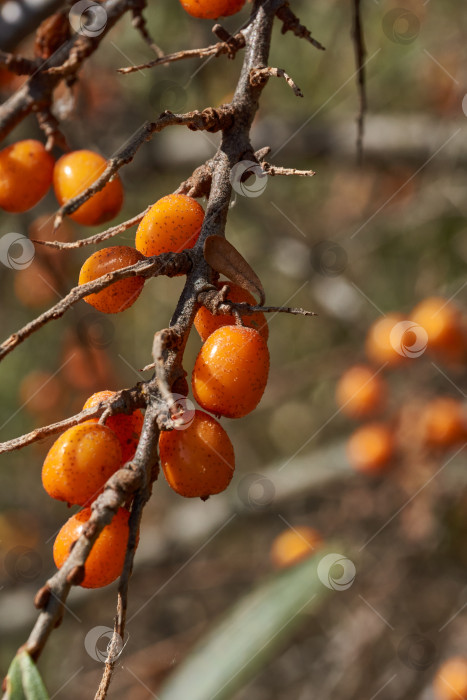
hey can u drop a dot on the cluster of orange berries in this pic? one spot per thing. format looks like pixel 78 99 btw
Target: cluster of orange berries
pixel 435 326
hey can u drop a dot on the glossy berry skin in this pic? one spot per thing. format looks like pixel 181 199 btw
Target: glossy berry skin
pixel 105 562
pixel 360 392
pixel 450 682
pixel 370 448
pixel 121 294
pixel 75 172
pixel 206 322
pixel 171 225
pixel 127 427
pixel 294 545
pixel 231 371
pixel 198 461
pixel 444 422
pixel 212 9
pixel 25 175
pixel 79 463
pixel 378 345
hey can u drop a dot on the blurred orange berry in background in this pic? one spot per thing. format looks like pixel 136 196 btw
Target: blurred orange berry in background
pixel 36 286
pixel 40 391
pixel 361 392
pixel 442 322
pixel 443 422
pixel 378 345
pixel 450 682
pixel 370 448
pixel 294 545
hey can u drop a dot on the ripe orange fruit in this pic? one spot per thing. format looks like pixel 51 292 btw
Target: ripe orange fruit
pixel 370 448
pixel 25 175
pixel 105 562
pixel 294 545
pixel 443 422
pixel 127 427
pixel 75 172
pixel 443 324
pixel 378 344
pixel 360 392
pixel 206 322
pixel 212 9
pixel 171 225
pixel 450 682
pixel 79 463
pixel 119 295
pixel 198 461
pixel 231 371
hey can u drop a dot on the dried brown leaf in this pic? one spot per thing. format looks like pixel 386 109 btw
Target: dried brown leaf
pixel 223 257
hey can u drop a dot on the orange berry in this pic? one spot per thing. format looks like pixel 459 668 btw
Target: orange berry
pixel 442 322
pixel 198 461
pixel 127 427
pixel 75 172
pixel 370 447
pixel 231 371
pixel 450 682
pixel 379 347
pixel 79 463
pixel 212 9
pixel 360 392
pixel 119 295
pixel 35 285
pixel 25 175
pixel 294 545
pixel 105 562
pixel 171 225
pixel 443 422
pixel 206 322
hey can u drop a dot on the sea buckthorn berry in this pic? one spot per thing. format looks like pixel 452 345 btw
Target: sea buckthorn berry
pixel 206 322
pixel 25 175
pixel 360 392
pixel 294 545
pixel 231 371
pixel 379 347
pixel 171 225
pixel 370 448
pixel 105 562
pixel 450 682
pixel 198 461
pixel 212 9
pixel 443 422
pixel 127 427
pixel 79 463
pixel 119 295
pixel 442 322
pixel 75 172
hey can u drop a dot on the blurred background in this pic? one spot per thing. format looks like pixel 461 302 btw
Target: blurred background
pixel 354 244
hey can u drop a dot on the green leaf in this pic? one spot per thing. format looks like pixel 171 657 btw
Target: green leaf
pixel 23 681
pixel 249 636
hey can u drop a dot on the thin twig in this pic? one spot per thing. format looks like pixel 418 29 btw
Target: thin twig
pixel 360 53
pixel 277 170
pixel 261 76
pixel 291 23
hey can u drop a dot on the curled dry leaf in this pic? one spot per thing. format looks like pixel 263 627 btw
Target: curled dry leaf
pixel 223 257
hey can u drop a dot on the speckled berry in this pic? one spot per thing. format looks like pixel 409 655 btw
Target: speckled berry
pixel 127 427
pixel 171 225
